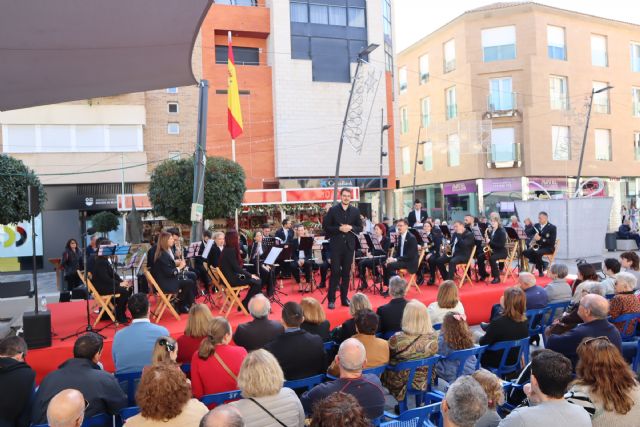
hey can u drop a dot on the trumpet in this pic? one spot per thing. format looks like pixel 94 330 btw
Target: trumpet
pixel 486 248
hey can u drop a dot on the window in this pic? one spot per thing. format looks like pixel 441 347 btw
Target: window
pixel 635 101
pixel 636 145
pixel 425 110
pixel 427 155
pixel 450 56
pixel 501 96
pixel 499 43
pixel 172 107
pixel 558 93
pixel 173 128
pixel 337 16
pixel 318 14
pixel 356 17
pixel 402 79
pixel 603 144
pixel 424 69
pixel 635 57
pixel 241 55
pixel 599 50
pixel 555 43
pixel 601 100
pixel 172 90
pixel 453 150
pixel 404 120
pixel 299 12
pixel 503 147
pixel 386 17
pixel 406 161
pixel 560 143
pixel 450 97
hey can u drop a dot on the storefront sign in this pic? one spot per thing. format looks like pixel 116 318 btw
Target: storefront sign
pixel 502 185
pixel 298 195
pixel 461 187
pixel 549 184
pixel 15 239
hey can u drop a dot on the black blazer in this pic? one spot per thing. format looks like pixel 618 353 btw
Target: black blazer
pixel 299 353
pixel 213 259
pixel 412 217
pixel 337 217
pixel 257 333
pixel 410 252
pixel 295 252
pixel 71 262
pixel 498 242
pixel 231 268
pixel 103 276
pixel 391 315
pixel 166 274
pixel 502 329
pixel 321 329
pixel 547 236
pixel 151 254
pixel 436 239
pixel 464 245
pixel 280 234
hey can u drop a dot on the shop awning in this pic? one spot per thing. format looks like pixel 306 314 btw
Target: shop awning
pixel 63 50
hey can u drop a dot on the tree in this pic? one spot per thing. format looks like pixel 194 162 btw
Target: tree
pixel 15 178
pixel 171 188
pixel 105 222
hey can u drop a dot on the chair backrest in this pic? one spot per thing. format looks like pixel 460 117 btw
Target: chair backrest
pixel 186 368
pixel 129 383
pixel 437 326
pixel 126 413
pixel 329 346
pixel 536 319
pixel 221 398
pixel 504 368
pixel 415 417
pixel 376 370
pixel 463 355
pixel 553 310
pixel 305 383
pixel 412 366
pixel 629 321
pixel 154 285
pixel 388 335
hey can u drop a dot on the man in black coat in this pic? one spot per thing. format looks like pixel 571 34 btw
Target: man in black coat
pixel 285 234
pixel 418 215
pixel 299 353
pixel 342 225
pixel 99 388
pixel 497 242
pixel 17 382
pixel 107 282
pixel 299 262
pixel 462 242
pixel 405 253
pixel 261 330
pixel 545 237
pixel 391 313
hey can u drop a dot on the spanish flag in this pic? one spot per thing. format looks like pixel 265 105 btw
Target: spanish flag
pixel 234 113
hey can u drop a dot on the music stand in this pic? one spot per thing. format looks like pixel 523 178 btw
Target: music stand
pixel 193 250
pixel 417 235
pixel 277 256
pixel 518 236
pixel 377 277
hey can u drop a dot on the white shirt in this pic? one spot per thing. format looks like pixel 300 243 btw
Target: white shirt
pixel 402 240
pixel 417 212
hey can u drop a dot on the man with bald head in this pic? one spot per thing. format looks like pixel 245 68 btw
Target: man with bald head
pixel 261 330
pixel 223 416
pixel 351 358
pixel 66 409
pixel 593 310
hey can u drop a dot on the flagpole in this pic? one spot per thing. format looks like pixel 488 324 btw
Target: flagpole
pixel 233 157
pixel 234 113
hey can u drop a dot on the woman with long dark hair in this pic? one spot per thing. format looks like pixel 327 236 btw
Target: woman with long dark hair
pixel 72 262
pixel 231 267
pixel 166 271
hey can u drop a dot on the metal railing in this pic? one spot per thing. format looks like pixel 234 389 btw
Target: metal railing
pixel 504 155
pixel 498 103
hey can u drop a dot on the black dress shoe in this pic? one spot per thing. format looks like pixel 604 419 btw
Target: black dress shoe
pixel 482 278
pixel 345 303
pixel 431 282
pixel 385 294
pixel 484 325
pixel 332 305
pixel 496 280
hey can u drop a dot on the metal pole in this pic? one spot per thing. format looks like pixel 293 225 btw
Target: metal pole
pixel 124 216
pixel 33 259
pixel 233 157
pixel 380 213
pixel 584 143
pixel 415 165
pixel 200 156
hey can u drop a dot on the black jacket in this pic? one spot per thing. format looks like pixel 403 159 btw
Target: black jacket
pixel 299 353
pixel 231 269
pixel 257 333
pixel 409 253
pixel 103 276
pixel 17 383
pixel 464 243
pixel 151 254
pixel 166 274
pixel 412 217
pixel 336 217
pixel 498 242
pixel 390 315
pixel 213 259
pixel 99 388
pixel 295 251
pixel 502 329
pixel 547 235
pixel 321 329
pixel 280 234
pixel 436 240
pixel 71 262
pixel 385 243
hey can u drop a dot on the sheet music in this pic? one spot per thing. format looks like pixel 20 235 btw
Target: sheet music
pixel 109 249
pixel 193 249
pixel 207 248
pixel 273 255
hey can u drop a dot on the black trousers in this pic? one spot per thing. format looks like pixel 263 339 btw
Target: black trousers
pixel 255 287
pixel 429 262
pixel 307 268
pixel 186 292
pixel 391 269
pixel 120 302
pixel 444 260
pixel 535 257
pixel 202 273
pixel 324 269
pixel 341 260
pixel 368 264
pixel 493 263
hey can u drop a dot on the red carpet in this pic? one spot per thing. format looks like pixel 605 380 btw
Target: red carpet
pixel 68 318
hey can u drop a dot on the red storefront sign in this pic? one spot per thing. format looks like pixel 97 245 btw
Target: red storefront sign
pixel 142 202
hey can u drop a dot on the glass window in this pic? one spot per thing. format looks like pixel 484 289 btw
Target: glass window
pixel 337 16
pixel 172 107
pixel 386 15
pixel 402 79
pixel 406 161
pixel 404 120
pixel 299 12
pixel 603 144
pixel 427 154
pixel 451 107
pixel 561 142
pixel 635 57
pixel 501 96
pixel 172 90
pixel 173 128
pixel 453 150
pixel 425 109
pixel 356 17
pixel 558 93
pixel 318 14
pixel 635 101
pixel 636 145
pixel 241 55
pixel 599 50
pixel 450 56
pixel 555 43
pixel 499 43
pixel 424 69
pixel 601 100
pixel 503 145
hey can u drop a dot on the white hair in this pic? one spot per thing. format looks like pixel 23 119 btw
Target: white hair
pixel 467 401
pixel 352 355
pixel 259 306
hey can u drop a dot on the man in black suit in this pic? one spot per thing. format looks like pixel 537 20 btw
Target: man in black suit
pixel 107 282
pixel 260 331
pixel 299 353
pixel 462 242
pixel 418 215
pixel 301 258
pixel 213 259
pixel 405 253
pixel 342 225
pixel 545 237
pixel 497 242
pixel 285 234
pixel 391 313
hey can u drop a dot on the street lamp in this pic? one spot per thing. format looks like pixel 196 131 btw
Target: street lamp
pixel 382 155
pixel 584 138
pixel 415 168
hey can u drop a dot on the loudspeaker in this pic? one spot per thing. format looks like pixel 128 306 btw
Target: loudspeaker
pixel 37 329
pixel 33 197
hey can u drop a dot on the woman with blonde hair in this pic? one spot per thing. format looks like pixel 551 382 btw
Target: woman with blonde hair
pixel 215 367
pixel 165 351
pixel 315 320
pixel 447 301
pixel 454 335
pixel 266 402
pixel 359 301
pixel 165 271
pixel 195 331
pixel 605 386
pixel 492 386
pixel 417 340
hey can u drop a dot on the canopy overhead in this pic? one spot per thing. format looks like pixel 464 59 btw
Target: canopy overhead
pixel 64 50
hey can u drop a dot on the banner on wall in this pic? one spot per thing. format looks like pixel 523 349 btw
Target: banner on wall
pixel 15 239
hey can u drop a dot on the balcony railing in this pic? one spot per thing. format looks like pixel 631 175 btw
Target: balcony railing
pixel 502 104
pixel 504 156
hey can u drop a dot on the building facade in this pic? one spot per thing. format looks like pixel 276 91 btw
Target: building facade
pixel 495 102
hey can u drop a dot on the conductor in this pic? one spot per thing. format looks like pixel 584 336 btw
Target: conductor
pixel 342 225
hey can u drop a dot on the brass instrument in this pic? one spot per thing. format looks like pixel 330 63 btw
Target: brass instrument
pixel 486 248
pixel 534 245
pixel 446 247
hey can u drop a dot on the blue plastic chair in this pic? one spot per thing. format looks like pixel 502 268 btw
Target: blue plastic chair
pixel 463 355
pixel 636 359
pixel 377 371
pixel 413 417
pixel 626 319
pixel 554 307
pixel 412 366
pixel 126 413
pixel 329 345
pixel 221 398
pixel 95 421
pixel 388 335
pixel 536 320
pixel 437 326
pixel 506 346
pixel 508 387
pixel 186 368
pixel 129 383
pixel 305 383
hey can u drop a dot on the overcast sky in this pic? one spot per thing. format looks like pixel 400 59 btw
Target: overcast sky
pixel 415 19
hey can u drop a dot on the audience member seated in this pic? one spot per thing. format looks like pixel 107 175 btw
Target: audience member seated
pixel 558 289
pixel 166 270
pixel 391 313
pixel 195 331
pixel 377 349
pixel 315 321
pixel 339 410
pixel 570 319
pixel 625 301
pixel 108 282
pixel 550 375
pixel 299 353
pixel 83 373
pixel 66 409
pixel 164 398
pixel 265 402
pixel 586 272
pixel 593 311
pixel 132 346
pixel 510 325
pixel 165 351
pixel 17 382
pixel 631 264
pixel 536 296
pixel 605 387
pixel 454 335
pixel 261 330
pixel 625 232
pixel 215 367
pixel 223 416
pixel 366 388
pixel 417 340
pixel 464 404
pixel 448 300
pixel 359 301
pixel 610 267
pixel 492 386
